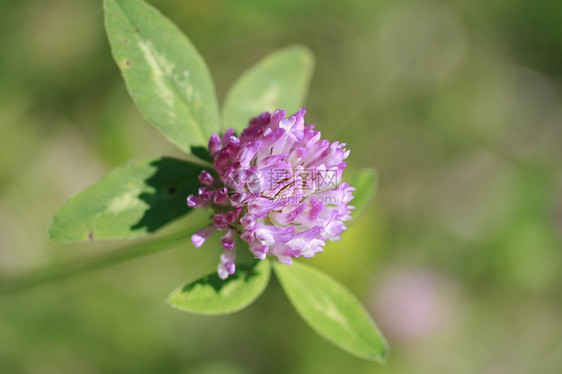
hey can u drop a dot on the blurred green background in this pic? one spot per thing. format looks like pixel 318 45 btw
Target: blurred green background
pixel 464 127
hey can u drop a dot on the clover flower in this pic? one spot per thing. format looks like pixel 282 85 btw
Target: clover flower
pixel 277 188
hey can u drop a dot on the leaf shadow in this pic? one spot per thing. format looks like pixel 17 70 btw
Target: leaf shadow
pixel 243 272
pixel 202 153
pixel 171 183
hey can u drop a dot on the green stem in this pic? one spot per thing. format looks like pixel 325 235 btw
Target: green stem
pixel 61 272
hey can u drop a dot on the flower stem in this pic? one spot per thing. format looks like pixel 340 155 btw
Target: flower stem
pixel 61 272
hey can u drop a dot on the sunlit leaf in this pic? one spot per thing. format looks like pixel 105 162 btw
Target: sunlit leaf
pixel 165 75
pixel 133 200
pixel 332 311
pixel 213 295
pixel 279 81
pixel 365 183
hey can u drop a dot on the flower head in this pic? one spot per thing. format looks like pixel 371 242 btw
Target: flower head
pixel 277 187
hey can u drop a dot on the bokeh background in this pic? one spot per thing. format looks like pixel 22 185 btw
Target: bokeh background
pixel 464 125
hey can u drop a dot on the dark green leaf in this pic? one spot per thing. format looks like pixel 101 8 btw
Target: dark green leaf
pixel 133 200
pixel 332 311
pixel 279 81
pixel 213 295
pixel 164 73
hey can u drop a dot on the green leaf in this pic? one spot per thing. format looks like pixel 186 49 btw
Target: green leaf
pixel 279 81
pixel 212 295
pixel 332 311
pixel 365 183
pixel 131 201
pixel 164 73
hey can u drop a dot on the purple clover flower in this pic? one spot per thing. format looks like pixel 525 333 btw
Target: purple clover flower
pixel 278 189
